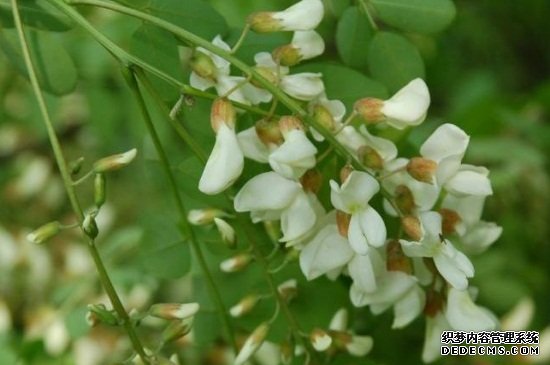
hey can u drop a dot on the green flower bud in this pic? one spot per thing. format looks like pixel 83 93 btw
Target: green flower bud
pixel 44 233
pixel 99 189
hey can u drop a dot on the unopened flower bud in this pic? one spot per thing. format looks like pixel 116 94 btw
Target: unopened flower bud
pixel 345 172
pixel 177 329
pixel 422 169
pixel 174 310
pixel 412 227
pixel 201 217
pixel 450 219
pixel 252 343
pixel 44 233
pixel 76 165
pixel 339 321
pixel 222 112
pixel 273 230
pixel 323 116
pixel 288 289
pixel 404 199
pixel 370 158
pixel 204 66
pixel 312 181
pixel 290 123
pixel 287 352
pixel 235 263
pixel 100 184
pixel 115 162
pixel 286 55
pixel 98 313
pixel 343 220
pixel 263 22
pixel 370 109
pixel 90 226
pixel 268 132
pixel 244 306
pixel 396 258
pixel 266 73
pixel 320 339
pixel 434 303
pixel 226 232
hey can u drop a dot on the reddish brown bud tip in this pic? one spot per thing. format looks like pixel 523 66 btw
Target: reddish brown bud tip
pixel 412 227
pixel 370 109
pixel 404 200
pixel 345 172
pixel 450 220
pixel 422 169
pixel 222 112
pixel 396 258
pixel 342 221
pixel 370 158
pixel 268 131
pixel 311 181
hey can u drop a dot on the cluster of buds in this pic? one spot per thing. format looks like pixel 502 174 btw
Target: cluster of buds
pixel 436 199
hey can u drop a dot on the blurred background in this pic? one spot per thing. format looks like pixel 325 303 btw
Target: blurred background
pixel 488 72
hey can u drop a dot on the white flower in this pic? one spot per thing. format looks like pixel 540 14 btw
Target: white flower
pixel 366 227
pixel 446 146
pixel 225 163
pixel 326 252
pixel 320 340
pixel 424 195
pixel 463 315
pixel 252 344
pixel 308 43
pixel 359 345
pixel 475 235
pixel 115 162
pixel 304 45
pixel 364 270
pixel 355 345
pixel 223 82
pixel 432 341
pixel 302 86
pixel 174 310
pixel 304 15
pixel 395 289
pixel 328 113
pixel 294 157
pixel 452 264
pixel 269 196
pixel 253 147
pixel 406 108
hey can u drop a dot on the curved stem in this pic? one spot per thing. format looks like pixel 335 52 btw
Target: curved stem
pixel 69 188
pixel 130 76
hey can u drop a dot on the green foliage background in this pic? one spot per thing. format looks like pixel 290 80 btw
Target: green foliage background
pixel 488 72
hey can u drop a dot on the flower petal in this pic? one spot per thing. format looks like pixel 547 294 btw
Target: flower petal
pixel 251 145
pixel 446 141
pixel 294 157
pixel 481 236
pixel 385 148
pixel 298 218
pixel 225 163
pixel 267 191
pixel 200 82
pixel 357 239
pixel 408 106
pixel 326 252
pixel 450 271
pixel 408 307
pixel 468 181
pixel 355 192
pixel 304 15
pixel 432 340
pixel 303 86
pixel 309 43
pixel 464 315
pixel 373 227
pixel 362 272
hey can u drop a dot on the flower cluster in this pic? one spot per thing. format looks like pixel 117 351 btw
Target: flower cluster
pixel 436 198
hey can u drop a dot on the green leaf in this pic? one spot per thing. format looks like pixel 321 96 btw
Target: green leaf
pixel 163 252
pixel 37 14
pixel 423 16
pixel 353 36
pixel 394 60
pixel 345 84
pixel 159 48
pixel 54 67
pixel 195 16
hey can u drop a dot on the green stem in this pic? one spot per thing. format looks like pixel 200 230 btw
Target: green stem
pixel 241 39
pixel 128 59
pixel 73 199
pixel 368 14
pixel 131 78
